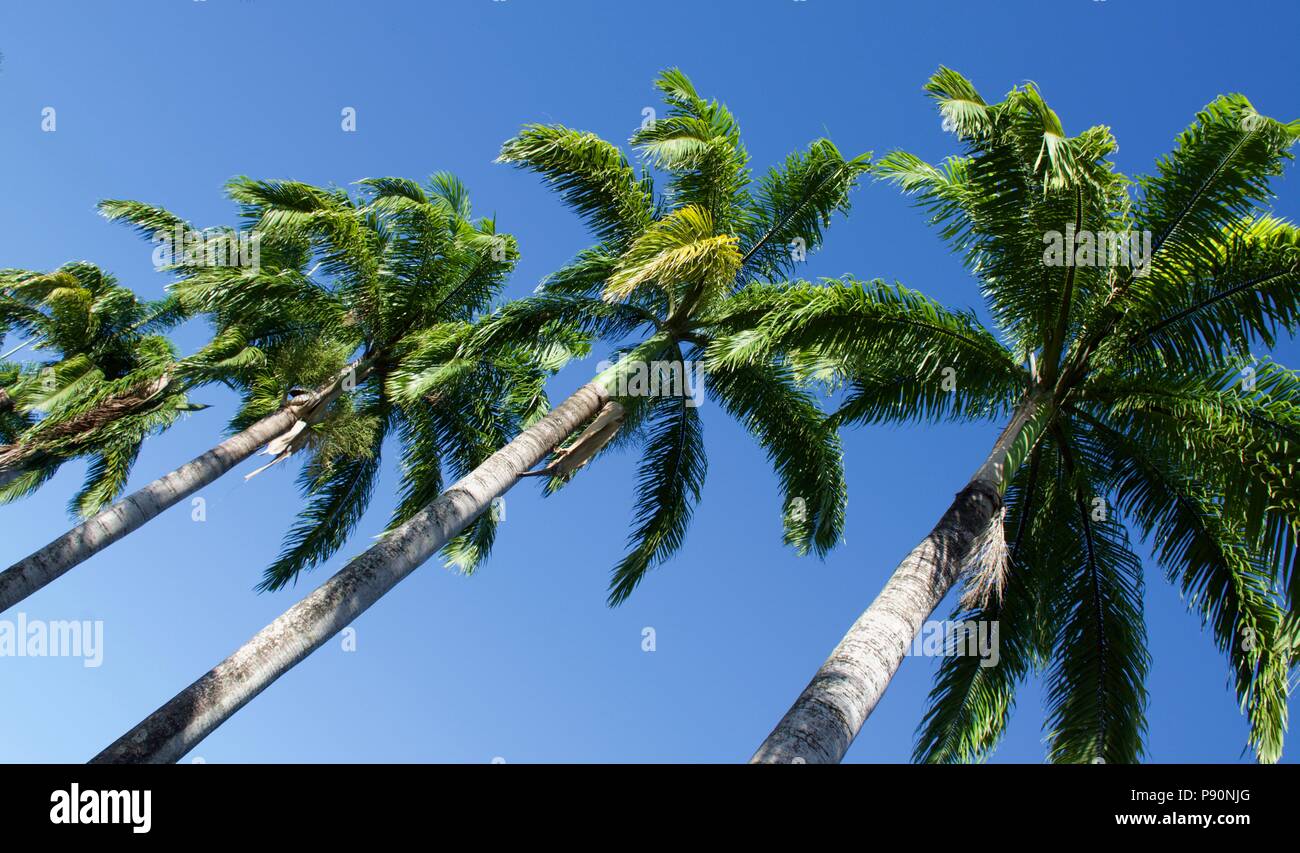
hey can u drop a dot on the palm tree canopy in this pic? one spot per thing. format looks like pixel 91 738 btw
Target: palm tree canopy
pixel 100 392
pixel 672 268
pixel 1154 416
pixel 390 282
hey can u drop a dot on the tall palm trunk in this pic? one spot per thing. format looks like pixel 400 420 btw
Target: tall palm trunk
pixel 826 717
pixel 132 512
pixel 176 727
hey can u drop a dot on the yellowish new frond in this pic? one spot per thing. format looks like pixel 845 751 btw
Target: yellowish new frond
pixel 681 248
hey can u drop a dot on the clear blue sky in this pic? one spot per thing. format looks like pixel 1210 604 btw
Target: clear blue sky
pixel 164 101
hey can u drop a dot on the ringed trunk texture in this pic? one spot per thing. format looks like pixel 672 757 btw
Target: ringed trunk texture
pixel 177 727
pixel 138 508
pixel 827 716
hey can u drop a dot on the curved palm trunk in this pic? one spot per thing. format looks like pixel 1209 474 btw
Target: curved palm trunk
pixel 176 727
pixel 135 510
pixel 826 717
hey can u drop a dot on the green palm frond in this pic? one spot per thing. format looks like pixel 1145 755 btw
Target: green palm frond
pixel 585 275
pixel 592 176
pixel 253 297
pixel 904 356
pixel 1219 173
pixel 795 203
pixel 961 106
pixel 699 144
pixel 106 477
pixel 555 318
pixel 25 481
pixel 805 452
pixel 1210 310
pixel 422 476
pixel 446 189
pixel 1234 432
pixel 338 487
pixel 469 549
pixel 1096 693
pixel 669 480
pixel 1220 577
pixel 148 220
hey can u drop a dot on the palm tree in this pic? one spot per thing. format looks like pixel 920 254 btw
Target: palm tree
pixel 668 275
pixel 411 269
pixel 105 390
pixel 405 270
pixel 1133 403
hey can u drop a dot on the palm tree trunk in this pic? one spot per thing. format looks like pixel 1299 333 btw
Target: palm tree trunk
pixel 827 716
pixel 135 510
pixel 175 728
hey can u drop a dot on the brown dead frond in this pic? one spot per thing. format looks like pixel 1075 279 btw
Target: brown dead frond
pixel 86 423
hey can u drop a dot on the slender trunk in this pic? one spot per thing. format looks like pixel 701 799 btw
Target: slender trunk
pixel 132 512
pixel 826 717
pixel 175 728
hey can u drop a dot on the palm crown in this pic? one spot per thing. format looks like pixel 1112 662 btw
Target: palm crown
pixel 1143 406
pixel 103 391
pixel 391 280
pixel 669 273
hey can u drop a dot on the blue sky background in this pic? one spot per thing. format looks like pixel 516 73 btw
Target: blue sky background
pixel 164 101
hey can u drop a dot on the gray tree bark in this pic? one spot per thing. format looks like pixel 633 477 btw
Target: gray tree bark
pixel 827 716
pixel 174 729
pixel 138 508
